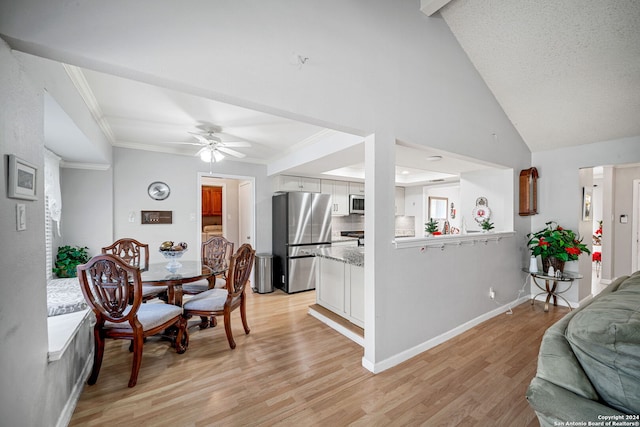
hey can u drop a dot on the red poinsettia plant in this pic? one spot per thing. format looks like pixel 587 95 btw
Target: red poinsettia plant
pixel 556 241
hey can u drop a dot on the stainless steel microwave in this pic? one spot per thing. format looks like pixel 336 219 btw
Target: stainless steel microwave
pixel 356 204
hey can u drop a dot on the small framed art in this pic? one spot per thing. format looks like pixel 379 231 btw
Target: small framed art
pixel 22 179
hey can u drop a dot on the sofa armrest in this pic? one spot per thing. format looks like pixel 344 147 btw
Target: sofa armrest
pixel 556 405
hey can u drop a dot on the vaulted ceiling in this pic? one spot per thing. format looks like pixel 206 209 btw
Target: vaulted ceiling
pixel 565 72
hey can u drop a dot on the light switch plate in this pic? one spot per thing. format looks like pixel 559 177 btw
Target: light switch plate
pixel 21 217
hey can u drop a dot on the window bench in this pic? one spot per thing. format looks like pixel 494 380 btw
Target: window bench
pixel 67 312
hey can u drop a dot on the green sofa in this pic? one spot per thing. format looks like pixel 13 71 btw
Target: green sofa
pixel 589 361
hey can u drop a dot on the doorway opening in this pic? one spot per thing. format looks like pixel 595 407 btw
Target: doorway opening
pixel 227 208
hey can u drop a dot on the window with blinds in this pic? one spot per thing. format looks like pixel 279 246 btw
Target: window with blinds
pixel 48 231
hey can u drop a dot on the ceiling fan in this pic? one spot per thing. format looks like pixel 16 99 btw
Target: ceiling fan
pixel 213 148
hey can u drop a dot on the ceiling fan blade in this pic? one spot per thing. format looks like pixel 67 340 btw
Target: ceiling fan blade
pixel 231 152
pixel 235 144
pixel 201 138
pixel 180 143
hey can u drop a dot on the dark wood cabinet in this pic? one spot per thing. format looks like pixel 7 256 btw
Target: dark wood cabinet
pixel 528 192
pixel 211 201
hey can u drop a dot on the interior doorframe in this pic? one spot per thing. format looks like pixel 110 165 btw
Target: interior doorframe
pixel 200 180
pixel 635 226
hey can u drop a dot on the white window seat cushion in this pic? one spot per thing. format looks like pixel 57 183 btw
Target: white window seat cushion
pixel 64 296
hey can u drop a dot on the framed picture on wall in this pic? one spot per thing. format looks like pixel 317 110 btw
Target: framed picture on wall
pixel 586 204
pixel 22 179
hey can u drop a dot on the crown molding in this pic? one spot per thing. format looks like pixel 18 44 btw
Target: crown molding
pixel 80 82
pixel 86 166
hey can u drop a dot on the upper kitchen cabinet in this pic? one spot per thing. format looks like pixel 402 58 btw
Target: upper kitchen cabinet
pixel 356 188
pixel 339 192
pixel 399 200
pixel 211 201
pixel 298 183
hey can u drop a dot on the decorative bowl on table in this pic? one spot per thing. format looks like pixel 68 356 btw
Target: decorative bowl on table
pixel 173 253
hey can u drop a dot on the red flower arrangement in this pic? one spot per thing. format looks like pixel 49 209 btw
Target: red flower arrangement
pixel 556 242
pixel 596 257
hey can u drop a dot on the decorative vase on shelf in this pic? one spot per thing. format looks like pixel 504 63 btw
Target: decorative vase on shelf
pixel 551 261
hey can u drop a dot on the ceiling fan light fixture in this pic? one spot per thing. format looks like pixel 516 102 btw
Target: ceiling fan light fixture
pixel 218 156
pixel 205 156
pixel 211 155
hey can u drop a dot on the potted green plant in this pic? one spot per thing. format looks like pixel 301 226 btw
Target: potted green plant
pixel 68 258
pixel 486 225
pixel 555 245
pixel 431 227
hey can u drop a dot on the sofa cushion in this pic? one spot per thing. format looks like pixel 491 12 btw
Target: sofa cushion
pixel 605 337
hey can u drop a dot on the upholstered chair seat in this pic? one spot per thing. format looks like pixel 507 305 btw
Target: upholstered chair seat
pixel 150 316
pixel 211 300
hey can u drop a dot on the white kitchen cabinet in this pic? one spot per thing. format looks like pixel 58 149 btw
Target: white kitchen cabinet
pixel 298 183
pixel 340 288
pixel 330 291
pixel 399 200
pixel 339 192
pixel 356 188
pixel 356 300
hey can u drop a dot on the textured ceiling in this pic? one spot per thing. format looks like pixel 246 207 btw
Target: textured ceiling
pixel 565 72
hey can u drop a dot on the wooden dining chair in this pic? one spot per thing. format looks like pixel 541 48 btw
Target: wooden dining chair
pixel 221 302
pixel 137 254
pixel 106 282
pixel 216 252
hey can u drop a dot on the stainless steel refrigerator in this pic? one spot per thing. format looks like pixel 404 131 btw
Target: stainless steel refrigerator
pixel 300 221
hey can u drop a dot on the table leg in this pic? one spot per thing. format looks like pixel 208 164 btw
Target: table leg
pixel 552 289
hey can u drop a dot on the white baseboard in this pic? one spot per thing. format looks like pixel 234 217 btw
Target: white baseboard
pixel 408 354
pixel 337 327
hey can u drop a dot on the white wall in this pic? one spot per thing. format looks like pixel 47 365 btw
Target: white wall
pixel 560 192
pixel 414 206
pixel 23 306
pixel 497 187
pixel 87 208
pixel 623 236
pixel 134 170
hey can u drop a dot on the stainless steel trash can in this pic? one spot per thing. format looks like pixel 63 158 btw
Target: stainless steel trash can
pixel 264 273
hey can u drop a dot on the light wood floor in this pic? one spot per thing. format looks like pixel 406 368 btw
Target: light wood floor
pixel 293 370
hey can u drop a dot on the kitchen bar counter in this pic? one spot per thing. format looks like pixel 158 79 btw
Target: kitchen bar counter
pixel 340 281
pixel 346 254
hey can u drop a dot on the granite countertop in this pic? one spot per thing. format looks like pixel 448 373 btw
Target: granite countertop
pixel 347 254
pixel 343 239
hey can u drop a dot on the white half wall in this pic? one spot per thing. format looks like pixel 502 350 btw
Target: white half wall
pixel 134 170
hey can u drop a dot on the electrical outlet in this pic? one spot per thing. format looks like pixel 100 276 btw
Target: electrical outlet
pixel 492 293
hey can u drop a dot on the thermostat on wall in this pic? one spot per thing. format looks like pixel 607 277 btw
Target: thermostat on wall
pixel 624 219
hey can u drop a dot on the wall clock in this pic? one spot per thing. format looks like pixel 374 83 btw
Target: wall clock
pixel 158 190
